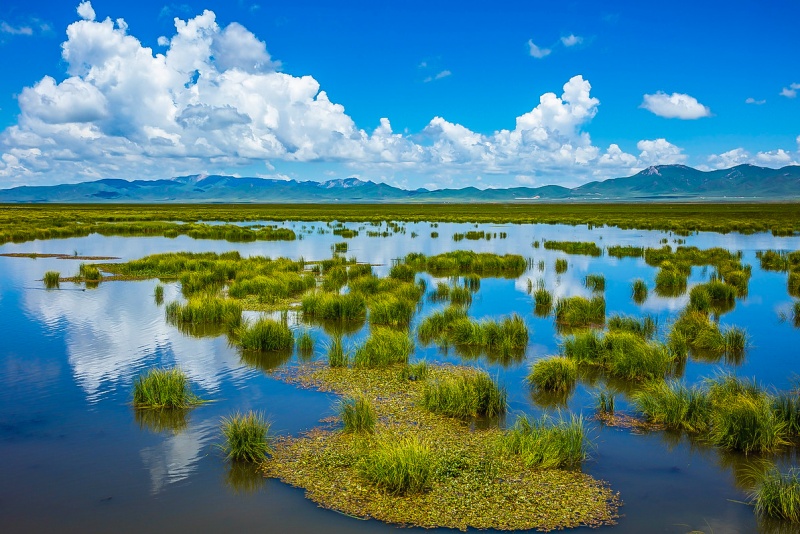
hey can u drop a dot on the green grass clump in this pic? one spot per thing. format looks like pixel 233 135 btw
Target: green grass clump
pixel 465 394
pixel 453 325
pixel 622 354
pixel 340 247
pixel 391 310
pixel 644 327
pixel 554 374
pixel 561 266
pixel 347 307
pixel 357 414
pixel 51 279
pixel 595 282
pixel 472 282
pixel 672 279
pixel 547 443
pixel 384 347
pixel 460 296
pixel 574 247
pixel 580 311
pixel 399 466
pixel 786 406
pixel 639 291
pixel 247 437
pixel 716 296
pixel 266 335
pixel 465 262
pixel 163 388
pixel 158 294
pixel 89 272
pixel 305 343
pixel 675 406
pixel 605 403
pixel 206 309
pixel 337 357
pixel 403 272
pixel 793 283
pixel 543 299
pixel 778 495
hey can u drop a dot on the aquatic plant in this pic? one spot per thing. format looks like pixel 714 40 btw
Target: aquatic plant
pixel 51 279
pixel 674 405
pixel 595 282
pixel 158 294
pixel 205 309
pixel 399 466
pixel 266 335
pixel 357 414
pixel 644 327
pixel 778 495
pixel 305 343
pixel 574 247
pixel 464 394
pixel 384 347
pixel 465 262
pixel 605 402
pixel 415 371
pixel 472 282
pixel 547 443
pixel 561 266
pixel 163 388
pixel 543 298
pixel 337 357
pixel 580 311
pixel 391 310
pixel 89 273
pixel 350 306
pixel 553 374
pixel 247 437
pixel 627 251
pixel 639 291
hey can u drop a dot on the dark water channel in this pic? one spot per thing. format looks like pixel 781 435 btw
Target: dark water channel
pixel 74 457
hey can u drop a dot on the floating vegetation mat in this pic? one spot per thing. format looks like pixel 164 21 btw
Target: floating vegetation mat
pixel 472 482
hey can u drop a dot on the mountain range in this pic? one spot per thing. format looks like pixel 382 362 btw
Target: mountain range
pixel 661 182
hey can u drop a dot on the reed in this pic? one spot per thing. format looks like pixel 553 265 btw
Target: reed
pixel 460 296
pixel 347 307
pixel 206 309
pixel 51 279
pixel 605 403
pixel 675 406
pixel 163 388
pixel 786 406
pixel 384 347
pixel 547 443
pixel 399 466
pixel 778 495
pixel 391 310
pixel 158 294
pixel 644 327
pixel 89 272
pixel 247 437
pixel 265 335
pixel 595 282
pixel 639 291
pixel 305 344
pixel 465 394
pixel 561 266
pixel 357 414
pixel 543 298
pixel 580 311
pixel 472 282
pixel 337 357
pixel 554 374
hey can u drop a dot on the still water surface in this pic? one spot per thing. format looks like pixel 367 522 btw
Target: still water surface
pixel 74 456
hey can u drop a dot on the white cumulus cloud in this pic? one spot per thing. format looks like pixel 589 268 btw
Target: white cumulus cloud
pixel 86 11
pixel 791 91
pixel 752 100
pixel 659 152
pixel 675 106
pixel 536 51
pixel 571 40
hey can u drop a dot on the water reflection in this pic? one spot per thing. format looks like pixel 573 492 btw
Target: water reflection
pixel 243 478
pixel 172 420
pixel 176 457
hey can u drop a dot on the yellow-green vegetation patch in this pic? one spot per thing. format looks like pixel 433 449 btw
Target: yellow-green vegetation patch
pixel 452 475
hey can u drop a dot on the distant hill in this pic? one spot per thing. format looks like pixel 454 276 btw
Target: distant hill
pixel 662 182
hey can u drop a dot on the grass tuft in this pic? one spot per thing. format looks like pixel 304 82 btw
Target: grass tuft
pixel 465 394
pixel 554 374
pixel 778 495
pixel 51 279
pixel 266 335
pixel 247 437
pixel 399 466
pixel 547 443
pixel 163 388
pixel 384 347
pixel 357 414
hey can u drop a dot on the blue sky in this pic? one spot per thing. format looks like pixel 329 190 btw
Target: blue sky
pixel 433 94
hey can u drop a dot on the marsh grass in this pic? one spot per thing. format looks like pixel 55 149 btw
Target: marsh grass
pixel 357 414
pixel 778 495
pixel 391 310
pixel 89 272
pixel 247 437
pixel 645 327
pixel 561 266
pixel 547 443
pixel 158 294
pixel 465 262
pixel 639 291
pixel 205 309
pixel 51 279
pixel 675 406
pixel 384 347
pixel 622 354
pixel 605 402
pixel 617 251
pixel 337 357
pixel 305 344
pixel 265 335
pixel 595 282
pixel 580 311
pixel 588 248
pixel 460 296
pixel 553 374
pixel 163 388
pixel 472 282
pixel 543 299
pixel 464 394
pixel 347 307
pixel 399 466
pixel 786 406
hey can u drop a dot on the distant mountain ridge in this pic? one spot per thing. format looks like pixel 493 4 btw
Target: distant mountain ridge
pixel 661 182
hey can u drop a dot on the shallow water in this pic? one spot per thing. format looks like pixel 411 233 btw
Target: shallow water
pixel 76 457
